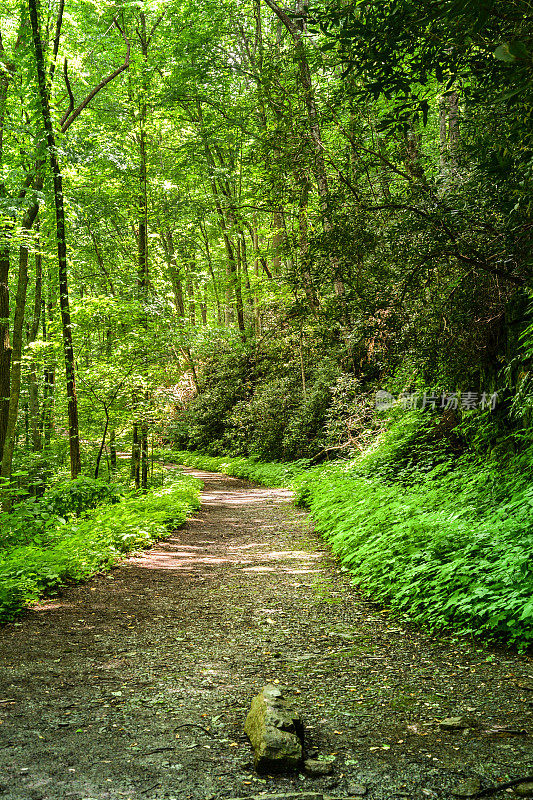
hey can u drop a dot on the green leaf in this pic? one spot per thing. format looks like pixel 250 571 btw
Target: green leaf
pixel 503 53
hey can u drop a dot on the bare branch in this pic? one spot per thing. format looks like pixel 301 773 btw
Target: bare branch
pixel 154 27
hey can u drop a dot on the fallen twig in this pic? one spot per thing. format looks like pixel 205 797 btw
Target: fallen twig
pixel 194 725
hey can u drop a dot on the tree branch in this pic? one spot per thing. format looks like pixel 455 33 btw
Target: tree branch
pixel 293 29
pixel 59 22
pixel 70 94
pixel 68 122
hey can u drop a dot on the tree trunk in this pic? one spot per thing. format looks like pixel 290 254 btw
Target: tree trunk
pixel 33 387
pixel 113 449
pixel 203 307
pixel 303 243
pixel 233 286
pixel 143 178
pixel 413 155
pixel 74 439
pixel 443 126
pixel 277 241
pixel 191 302
pixel 174 275
pixel 5 346
pixel 211 272
pixel 453 128
pixel 49 378
pixel 255 242
pixel 5 237
pixel 144 457
pixel 16 367
pixel 136 457
pixel 102 444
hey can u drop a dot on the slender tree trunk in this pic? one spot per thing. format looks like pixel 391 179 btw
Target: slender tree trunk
pixel 203 307
pixel 237 289
pixel 443 126
pixel 303 243
pixel 144 457
pixel 413 155
pixel 100 260
pixel 102 444
pixel 191 301
pixel 136 457
pixel 315 137
pixel 5 237
pixel 453 128
pixel 228 313
pixel 246 272
pixel 211 272
pixel 143 176
pixel 277 241
pixel 49 379
pixel 257 271
pixel 33 386
pixel 174 275
pixel 143 214
pixel 113 449
pixel 5 345
pixel 233 286
pixel 16 367
pixel 74 438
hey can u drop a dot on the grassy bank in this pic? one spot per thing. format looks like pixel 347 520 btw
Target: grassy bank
pixel 59 550
pixel 446 541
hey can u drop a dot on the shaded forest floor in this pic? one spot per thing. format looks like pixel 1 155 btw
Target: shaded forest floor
pixel 136 684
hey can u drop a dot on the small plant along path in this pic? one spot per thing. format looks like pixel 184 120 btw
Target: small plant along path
pixel 136 684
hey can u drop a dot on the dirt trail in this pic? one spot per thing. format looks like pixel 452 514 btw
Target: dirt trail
pixel 136 684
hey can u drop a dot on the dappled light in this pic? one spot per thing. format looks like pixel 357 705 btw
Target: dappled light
pixel 205 557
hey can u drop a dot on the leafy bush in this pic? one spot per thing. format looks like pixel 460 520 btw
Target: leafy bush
pixel 257 404
pixel 77 549
pixel 39 517
pixel 446 551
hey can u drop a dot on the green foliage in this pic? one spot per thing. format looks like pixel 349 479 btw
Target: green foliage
pixel 442 539
pixel 38 518
pixel 254 404
pixel 74 550
pixel 445 551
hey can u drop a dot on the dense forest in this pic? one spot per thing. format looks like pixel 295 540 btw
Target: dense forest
pixel 270 233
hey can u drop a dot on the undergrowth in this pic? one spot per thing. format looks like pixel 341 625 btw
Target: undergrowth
pixel 64 550
pixel 443 539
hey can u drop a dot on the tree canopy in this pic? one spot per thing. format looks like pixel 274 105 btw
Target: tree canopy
pixel 234 222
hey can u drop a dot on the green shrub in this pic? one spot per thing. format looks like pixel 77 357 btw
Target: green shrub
pixel 440 552
pixel 77 549
pixel 38 518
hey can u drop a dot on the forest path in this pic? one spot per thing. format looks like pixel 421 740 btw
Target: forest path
pixel 136 684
